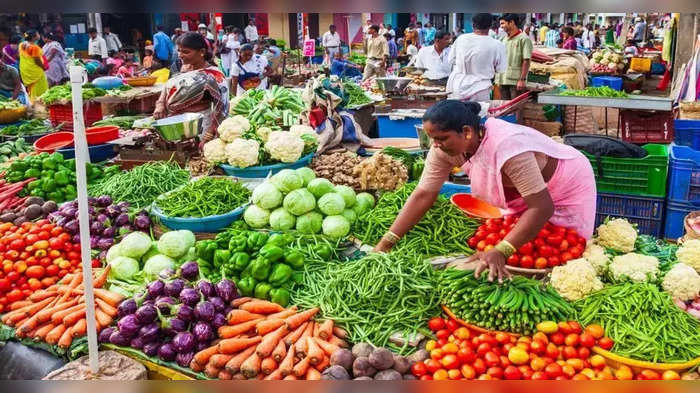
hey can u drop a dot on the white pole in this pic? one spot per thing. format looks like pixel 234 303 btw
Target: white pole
pixel 81 158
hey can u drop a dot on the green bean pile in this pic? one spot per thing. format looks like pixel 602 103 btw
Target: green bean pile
pixel 208 196
pixel 443 230
pixel 141 185
pixel 602 91
pixel 643 322
pixel 355 95
pixel 373 297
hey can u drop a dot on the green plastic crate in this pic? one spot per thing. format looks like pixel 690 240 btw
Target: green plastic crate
pixel 639 176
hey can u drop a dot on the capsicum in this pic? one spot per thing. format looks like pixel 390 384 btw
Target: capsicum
pixel 262 291
pixel 323 251
pixel 221 257
pixel 48 163
pixel 247 286
pixel 61 178
pixel 280 274
pixel 239 261
pixel 256 240
pixel 279 296
pixel 260 268
pixel 271 252
pixel 31 172
pixel 295 259
pixel 238 243
pixel 205 250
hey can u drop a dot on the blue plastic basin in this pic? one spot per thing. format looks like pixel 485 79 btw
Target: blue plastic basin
pixel 262 171
pixel 199 224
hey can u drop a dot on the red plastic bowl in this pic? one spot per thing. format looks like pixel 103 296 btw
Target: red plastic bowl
pixel 100 135
pixel 475 207
pixel 53 142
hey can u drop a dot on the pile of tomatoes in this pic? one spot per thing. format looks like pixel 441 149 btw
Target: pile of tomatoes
pixel 553 246
pixel 35 255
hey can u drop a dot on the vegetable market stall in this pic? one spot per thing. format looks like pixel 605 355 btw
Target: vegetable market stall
pixel 139 99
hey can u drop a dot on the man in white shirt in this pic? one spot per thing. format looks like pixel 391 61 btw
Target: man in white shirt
pixel 436 58
pixel 476 58
pixel 97 47
pixel 112 40
pixel 251 32
pixel 331 43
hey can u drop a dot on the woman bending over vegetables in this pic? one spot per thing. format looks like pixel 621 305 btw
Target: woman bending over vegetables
pixel 510 166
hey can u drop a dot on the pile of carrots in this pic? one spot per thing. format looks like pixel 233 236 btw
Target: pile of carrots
pixel 265 341
pixel 9 191
pixel 56 315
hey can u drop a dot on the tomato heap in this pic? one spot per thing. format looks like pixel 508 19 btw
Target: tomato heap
pixel 35 255
pixel 553 246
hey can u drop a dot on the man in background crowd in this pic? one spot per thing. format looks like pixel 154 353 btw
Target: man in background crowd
pixel 176 34
pixel 436 58
pixel 97 47
pixel 112 40
pixel 331 43
pixel 429 35
pixel 251 31
pixel 377 54
pixel 162 47
pixel 518 54
pixel 542 34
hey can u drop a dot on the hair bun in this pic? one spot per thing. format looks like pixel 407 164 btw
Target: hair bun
pixel 472 107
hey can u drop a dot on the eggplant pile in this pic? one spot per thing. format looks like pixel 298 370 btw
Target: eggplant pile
pixel 175 317
pixel 109 221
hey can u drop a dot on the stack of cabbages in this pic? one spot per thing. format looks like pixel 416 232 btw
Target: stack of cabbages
pixel 175 318
pixel 296 199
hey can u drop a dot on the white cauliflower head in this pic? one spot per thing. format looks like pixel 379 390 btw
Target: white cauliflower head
pixel 617 234
pixel 263 133
pixel 300 129
pixel 597 257
pixel 682 282
pixel 243 153
pixel 214 151
pixel 232 128
pixel 635 267
pixel 575 280
pixel 689 253
pixel 284 146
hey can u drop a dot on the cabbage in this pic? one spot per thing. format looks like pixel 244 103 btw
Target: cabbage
pixel 360 208
pixel 151 252
pixel 331 204
pixel 347 193
pixel 256 217
pixel 310 223
pixel 365 197
pixel 134 245
pixel 335 227
pixel 174 244
pixel 189 237
pixel 287 180
pixel 123 268
pixel 267 196
pixel 307 174
pixel 113 253
pixel 281 219
pixel 350 215
pixel 320 187
pixel 157 264
pixel 299 202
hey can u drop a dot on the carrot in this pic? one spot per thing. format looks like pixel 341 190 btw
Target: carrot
pixel 314 352
pixel 312 374
pixel 102 319
pixel 234 345
pixel 274 376
pixel 261 307
pixel 239 316
pixel 268 365
pixel 268 325
pixel 13 318
pixel 238 377
pixel 295 321
pixel 327 347
pixel 100 281
pixel 292 337
pixel 228 331
pixel 251 366
pixel 196 367
pixel 112 298
pixel 66 339
pixel 225 375
pixel 46 314
pixel 219 360
pixel 241 300
pixel 301 367
pixel 301 345
pixel 34 308
pixel 20 304
pixel 290 377
pixel 283 314
pixel 202 357
pixel 287 363
pixel 55 334
pixel 72 318
pixel 57 317
pixel 325 331
pixel 336 341
pixel 27 326
pixel 323 364
pixel 41 295
pixel 234 364
pixel 106 308
pixel 74 282
pixel 279 352
pixel 79 328
pixel 315 332
pixel 269 342
pixel 211 371
pixel 43 331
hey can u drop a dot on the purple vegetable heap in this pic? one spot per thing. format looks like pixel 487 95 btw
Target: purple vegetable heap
pixel 174 318
pixel 108 222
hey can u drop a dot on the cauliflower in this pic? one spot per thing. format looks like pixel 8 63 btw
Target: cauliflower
pixel 284 146
pixel 689 254
pixel 214 151
pixel 232 128
pixel 597 257
pixel 301 129
pixel 263 133
pixel 617 234
pixel 575 280
pixel 635 267
pixel 242 153
pixel 682 282
pixel 604 61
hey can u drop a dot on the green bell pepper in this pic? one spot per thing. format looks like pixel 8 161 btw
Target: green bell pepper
pixel 48 163
pixel 205 250
pixel 61 178
pixel 256 240
pixel 31 172
pixel 221 257
pixel 262 291
pixel 34 184
pixel 323 251
pixel 295 259
pixel 57 157
pixel 238 243
pixel 70 163
pixel 19 166
pixel 247 286
pixel 280 240
pixel 281 273
pixel 206 270
pixel 48 185
pixel 260 268
pixel 279 296
pixel 56 196
pixel 271 252
pixel 239 261
pixel 37 193
pixel 246 272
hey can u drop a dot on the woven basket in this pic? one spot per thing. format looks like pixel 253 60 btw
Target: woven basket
pixel 12 115
pixel 142 81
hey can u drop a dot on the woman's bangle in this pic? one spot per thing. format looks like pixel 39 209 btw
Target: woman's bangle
pixel 391 237
pixel 505 248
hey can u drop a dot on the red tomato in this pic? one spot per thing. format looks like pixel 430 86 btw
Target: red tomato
pixel 65 237
pixel 14 295
pixel 649 375
pixel 12 255
pixel 526 248
pixel 13 276
pixel 479 366
pixel 566 256
pixel 570 353
pixel 605 343
pixel 552 351
pixel 526 372
pixel 436 324
pixel 492 239
pixel 450 362
pixel 44 235
pixel 539 376
pixel 56 231
pixel 527 262
pixel 539 243
pixel 513 260
pixel 481 245
pixel 584 353
pixel 480 234
pixel 466 355
pixel 5 285
pixel 538 347
pixel 442 333
pixel 472 242
pixel 32 238
pixel 541 263
pixel 576 251
pixel 491 359
pixel 36 272
pixel 502 233
pixel 426 378
pixel 483 349
pixel 587 340
pixel 571 340
pixel 34 284
pixel 495 372
pixel 572 239
pixel 468 372
pixel 545 250
pixel 575 327
pixel 512 373
pixel 543 233
pixel 418 369
pixel 553 261
pixel 553 370
pixel 452 325
pixel 432 365
pixel 441 342
pixel 17 244
pixel 565 328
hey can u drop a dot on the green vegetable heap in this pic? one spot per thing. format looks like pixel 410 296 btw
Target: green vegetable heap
pixel 29 127
pixel 208 196
pixel 12 149
pixel 62 93
pixel 354 95
pixel 275 107
pixel 8 104
pixel 603 91
pixel 123 122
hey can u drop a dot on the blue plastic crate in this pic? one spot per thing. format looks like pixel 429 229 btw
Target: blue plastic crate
pixel 675 216
pixel 687 133
pixel 646 212
pixel 97 153
pixel 397 128
pixel 684 174
pixel 448 189
pixel 612 82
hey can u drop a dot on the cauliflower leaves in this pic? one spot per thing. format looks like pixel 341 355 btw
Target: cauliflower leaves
pixel 284 146
pixel 617 234
pixel 242 153
pixel 682 282
pixel 575 280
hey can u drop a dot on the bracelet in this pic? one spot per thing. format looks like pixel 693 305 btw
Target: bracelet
pixel 505 248
pixel 391 237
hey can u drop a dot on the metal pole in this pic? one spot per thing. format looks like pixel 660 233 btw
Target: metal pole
pixel 82 157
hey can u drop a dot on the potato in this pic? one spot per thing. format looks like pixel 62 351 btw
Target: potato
pixel 401 364
pixel 388 375
pixel 409 377
pixel 362 368
pixel 381 359
pixel 363 379
pixel 335 373
pixel 342 357
pixel 419 356
pixel 362 350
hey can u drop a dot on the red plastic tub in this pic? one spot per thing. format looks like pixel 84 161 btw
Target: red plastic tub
pixel 475 207
pixel 53 142
pixel 100 135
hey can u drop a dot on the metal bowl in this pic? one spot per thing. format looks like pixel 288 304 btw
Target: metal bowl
pixel 393 84
pixel 179 127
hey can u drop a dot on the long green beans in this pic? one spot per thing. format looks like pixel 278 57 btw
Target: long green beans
pixel 373 297
pixel 141 185
pixel 443 230
pixel 643 322
pixel 208 196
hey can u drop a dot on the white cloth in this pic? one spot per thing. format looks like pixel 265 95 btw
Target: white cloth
pixel 97 47
pixel 251 33
pixel 438 65
pixel 113 42
pixel 476 59
pixel 257 65
pixel 230 58
pixel 365 31
pixel 330 40
pixel 392 32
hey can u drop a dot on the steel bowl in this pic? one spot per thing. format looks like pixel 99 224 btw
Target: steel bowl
pixel 393 84
pixel 179 127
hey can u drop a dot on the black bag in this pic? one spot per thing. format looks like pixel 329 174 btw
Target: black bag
pixel 600 145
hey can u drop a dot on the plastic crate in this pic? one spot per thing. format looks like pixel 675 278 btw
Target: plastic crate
pixel 647 213
pixel 638 176
pixel 448 189
pixel 675 216
pixel 687 133
pixel 640 64
pixel 646 126
pixel 613 82
pixel 684 174
pixel 58 114
pixel 398 128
